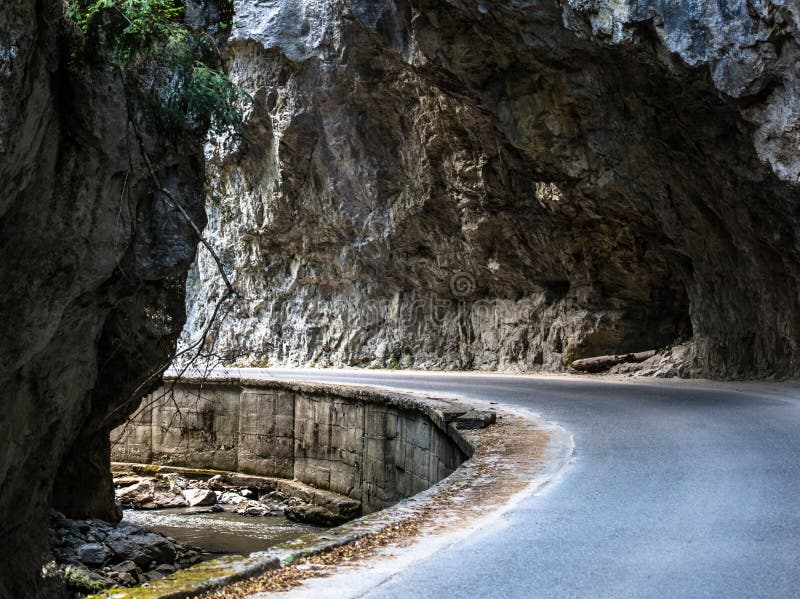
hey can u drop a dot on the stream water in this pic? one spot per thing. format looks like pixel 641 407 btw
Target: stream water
pixel 220 532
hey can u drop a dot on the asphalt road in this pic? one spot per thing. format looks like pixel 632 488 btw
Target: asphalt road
pixel 676 490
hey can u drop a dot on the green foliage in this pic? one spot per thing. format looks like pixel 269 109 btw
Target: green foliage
pixel 78 580
pixel 172 71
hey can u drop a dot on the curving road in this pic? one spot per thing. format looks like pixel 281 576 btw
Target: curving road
pixel 676 490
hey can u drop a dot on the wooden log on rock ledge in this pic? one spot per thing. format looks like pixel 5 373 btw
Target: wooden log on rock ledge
pixel 601 363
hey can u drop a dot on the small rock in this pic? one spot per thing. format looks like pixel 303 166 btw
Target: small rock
pixel 127 481
pixel 475 419
pixel 216 483
pixel 166 569
pixel 126 566
pixel 84 580
pixel 83 527
pixel 125 579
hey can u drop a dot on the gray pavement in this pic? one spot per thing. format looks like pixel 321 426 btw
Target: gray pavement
pixel 677 490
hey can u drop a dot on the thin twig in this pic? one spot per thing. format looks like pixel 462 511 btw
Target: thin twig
pixel 230 291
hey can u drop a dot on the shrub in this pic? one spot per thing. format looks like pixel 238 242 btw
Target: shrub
pixel 172 70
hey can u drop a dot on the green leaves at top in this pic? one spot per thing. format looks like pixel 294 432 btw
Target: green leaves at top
pixel 172 69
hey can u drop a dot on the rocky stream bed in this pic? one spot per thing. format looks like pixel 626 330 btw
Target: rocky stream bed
pixel 172 521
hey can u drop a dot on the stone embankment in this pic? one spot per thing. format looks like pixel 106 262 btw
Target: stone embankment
pixel 373 447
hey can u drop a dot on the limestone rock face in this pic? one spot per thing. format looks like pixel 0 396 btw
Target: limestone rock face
pixel 510 185
pixel 91 284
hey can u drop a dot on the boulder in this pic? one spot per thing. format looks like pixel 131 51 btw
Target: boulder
pixel 253 508
pixel 136 495
pixel 199 497
pixel 315 514
pixel 157 547
pixel 142 548
pixel 151 494
pixel 93 554
pixel 231 498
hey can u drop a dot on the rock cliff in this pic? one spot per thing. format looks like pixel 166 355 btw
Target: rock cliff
pixel 511 184
pixel 91 284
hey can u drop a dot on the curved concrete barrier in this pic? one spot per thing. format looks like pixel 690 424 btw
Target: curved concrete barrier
pixel 374 447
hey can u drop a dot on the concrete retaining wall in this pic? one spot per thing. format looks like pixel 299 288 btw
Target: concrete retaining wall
pixel 374 447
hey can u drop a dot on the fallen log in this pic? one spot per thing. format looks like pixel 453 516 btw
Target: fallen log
pixel 601 363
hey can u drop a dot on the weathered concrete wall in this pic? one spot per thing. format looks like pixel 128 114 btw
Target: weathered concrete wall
pixel 369 446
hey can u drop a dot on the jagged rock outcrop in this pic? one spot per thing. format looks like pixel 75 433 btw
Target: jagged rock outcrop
pixel 511 184
pixel 91 284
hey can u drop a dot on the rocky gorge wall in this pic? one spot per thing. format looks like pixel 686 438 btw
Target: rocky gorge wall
pixel 511 185
pixel 92 279
pixel 372 447
pixel 441 184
